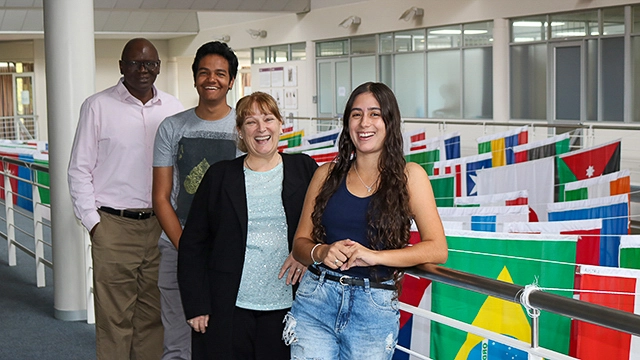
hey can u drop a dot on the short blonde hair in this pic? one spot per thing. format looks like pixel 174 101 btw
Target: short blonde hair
pixel 244 108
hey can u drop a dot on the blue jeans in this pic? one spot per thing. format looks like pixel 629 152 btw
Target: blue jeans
pixel 332 321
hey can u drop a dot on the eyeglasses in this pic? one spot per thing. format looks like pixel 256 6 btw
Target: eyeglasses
pixel 149 65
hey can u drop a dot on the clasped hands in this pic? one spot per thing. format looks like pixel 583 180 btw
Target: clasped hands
pixel 345 254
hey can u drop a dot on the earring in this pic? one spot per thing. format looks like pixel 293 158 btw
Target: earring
pixel 240 136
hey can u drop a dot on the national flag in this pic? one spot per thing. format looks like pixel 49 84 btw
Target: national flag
pixel 501 145
pixel 425 157
pixel 515 258
pixel 588 232
pixel 551 146
pixel 614 212
pixel 323 155
pixel 615 183
pixel 322 137
pixel 443 189
pixel 502 199
pixel 535 176
pixel 414 330
pixel 464 170
pixel 282 144
pixel 629 255
pixel 615 288
pixel 293 138
pixel 487 218
pixel 313 146
pixel 410 137
pixel 448 144
pixel 587 163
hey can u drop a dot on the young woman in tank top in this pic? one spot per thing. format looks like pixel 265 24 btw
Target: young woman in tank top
pixel 354 233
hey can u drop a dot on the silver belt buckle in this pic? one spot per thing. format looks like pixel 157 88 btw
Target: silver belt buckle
pixel 342 278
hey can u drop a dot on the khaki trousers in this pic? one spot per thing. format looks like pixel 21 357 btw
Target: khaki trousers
pixel 125 285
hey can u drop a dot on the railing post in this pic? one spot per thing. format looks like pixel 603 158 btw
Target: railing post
pixel 38 234
pixel 535 336
pixel 9 216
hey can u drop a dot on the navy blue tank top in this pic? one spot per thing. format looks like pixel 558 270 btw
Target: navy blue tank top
pixel 345 217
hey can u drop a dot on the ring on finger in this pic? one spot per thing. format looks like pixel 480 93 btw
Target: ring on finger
pixel 298 270
pixel 336 262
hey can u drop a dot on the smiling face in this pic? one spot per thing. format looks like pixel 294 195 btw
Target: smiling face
pixel 366 125
pixel 260 132
pixel 213 80
pixel 138 79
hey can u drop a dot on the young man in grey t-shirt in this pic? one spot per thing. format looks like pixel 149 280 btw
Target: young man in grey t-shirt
pixel 186 145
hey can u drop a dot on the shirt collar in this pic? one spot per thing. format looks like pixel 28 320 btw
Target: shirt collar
pixel 126 95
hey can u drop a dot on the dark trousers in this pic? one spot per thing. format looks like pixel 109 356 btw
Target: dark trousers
pixel 257 335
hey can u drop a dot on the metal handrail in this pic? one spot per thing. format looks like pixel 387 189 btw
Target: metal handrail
pixel 569 307
pixel 536 123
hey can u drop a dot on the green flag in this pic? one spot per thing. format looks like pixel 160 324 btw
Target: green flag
pixel 512 258
pixel 629 251
pixel 424 157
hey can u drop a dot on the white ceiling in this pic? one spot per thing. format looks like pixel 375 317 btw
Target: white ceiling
pixel 22 19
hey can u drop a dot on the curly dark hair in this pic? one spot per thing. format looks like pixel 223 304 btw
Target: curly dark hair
pixel 216 48
pixel 388 216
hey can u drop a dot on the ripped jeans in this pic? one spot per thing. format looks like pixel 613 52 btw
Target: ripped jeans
pixel 330 321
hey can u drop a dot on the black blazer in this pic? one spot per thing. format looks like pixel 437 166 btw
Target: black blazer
pixel 213 243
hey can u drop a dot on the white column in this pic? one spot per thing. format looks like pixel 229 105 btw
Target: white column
pixel 70 61
pixel 501 99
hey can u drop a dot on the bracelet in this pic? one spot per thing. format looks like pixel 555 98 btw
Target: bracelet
pixel 312 258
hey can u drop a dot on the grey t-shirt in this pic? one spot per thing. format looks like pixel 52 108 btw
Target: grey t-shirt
pixel 191 145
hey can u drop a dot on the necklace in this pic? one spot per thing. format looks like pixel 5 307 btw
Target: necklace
pixel 247 164
pixel 369 188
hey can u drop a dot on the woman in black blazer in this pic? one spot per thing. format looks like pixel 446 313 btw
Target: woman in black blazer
pixel 235 268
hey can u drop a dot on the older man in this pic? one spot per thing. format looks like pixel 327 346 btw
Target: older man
pixel 110 175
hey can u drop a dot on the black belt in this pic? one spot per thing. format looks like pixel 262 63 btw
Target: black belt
pixel 138 215
pixel 348 280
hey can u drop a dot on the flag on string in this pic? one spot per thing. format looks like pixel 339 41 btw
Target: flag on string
pixel 323 155
pixel 293 138
pixel 514 258
pixel 614 212
pixel 588 232
pixel 615 288
pixel 449 145
pixel 501 199
pixel 551 146
pixel 464 170
pixel 629 256
pixel 535 176
pixel 501 145
pixel 411 137
pixel 307 147
pixel 414 331
pixel 585 164
pixel 615 183
pixel 321 137
pixel 486 218
pixel 443 189
pixel 425 157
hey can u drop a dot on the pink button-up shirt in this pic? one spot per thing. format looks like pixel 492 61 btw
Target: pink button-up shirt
pixel 112 154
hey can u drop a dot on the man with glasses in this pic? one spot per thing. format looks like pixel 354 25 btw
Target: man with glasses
pixel 110 176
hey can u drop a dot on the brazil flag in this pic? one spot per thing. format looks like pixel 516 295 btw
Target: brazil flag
pixel 515 258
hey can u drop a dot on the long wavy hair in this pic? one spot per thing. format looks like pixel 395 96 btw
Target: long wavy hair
pixel 388 215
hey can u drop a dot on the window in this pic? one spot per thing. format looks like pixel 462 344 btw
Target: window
pixel 332 48
pixel 577 72
pixel 363 45
pixel 279 53
pixel 456 60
